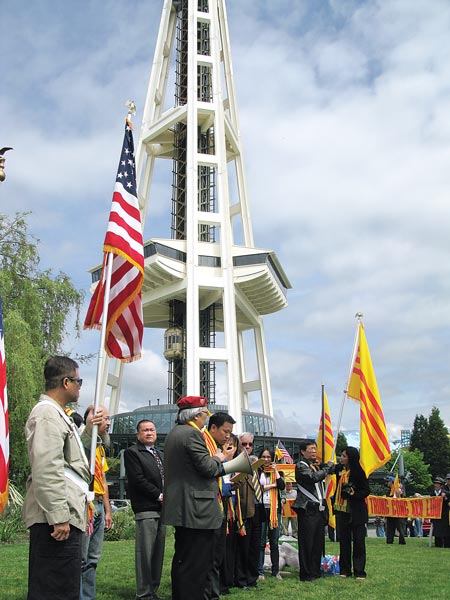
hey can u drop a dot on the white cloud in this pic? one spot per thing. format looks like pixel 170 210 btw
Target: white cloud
pixel 343 111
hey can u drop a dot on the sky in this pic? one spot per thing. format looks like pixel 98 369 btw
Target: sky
pixel 344 113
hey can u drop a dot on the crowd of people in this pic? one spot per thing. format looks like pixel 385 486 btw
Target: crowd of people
pixel 222 519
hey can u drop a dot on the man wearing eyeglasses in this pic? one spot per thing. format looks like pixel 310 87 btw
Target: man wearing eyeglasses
pixel 252 510
pixel 102 517
pixel 55 505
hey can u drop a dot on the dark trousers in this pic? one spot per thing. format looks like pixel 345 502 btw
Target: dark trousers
pixel 273 535
pixel 441 541
pixel 149 554
pixel 247 551
pixel 311 541
pixel 229 560
pixel 194 550
pixel 54 567
pixel 351 534
pixel 393 523
pixel 212 590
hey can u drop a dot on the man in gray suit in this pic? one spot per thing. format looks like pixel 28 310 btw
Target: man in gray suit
pixel 191 502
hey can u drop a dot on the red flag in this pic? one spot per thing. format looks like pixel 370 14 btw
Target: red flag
pixel 125 326
pixel 374 444
pixel 4 426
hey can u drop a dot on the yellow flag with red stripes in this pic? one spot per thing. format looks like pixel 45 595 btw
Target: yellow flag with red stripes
pixel 374 444
pixel 325 446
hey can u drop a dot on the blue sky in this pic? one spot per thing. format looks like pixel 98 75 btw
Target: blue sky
pixel 346 133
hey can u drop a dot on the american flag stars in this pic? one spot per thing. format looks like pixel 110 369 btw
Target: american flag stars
pixel 126 171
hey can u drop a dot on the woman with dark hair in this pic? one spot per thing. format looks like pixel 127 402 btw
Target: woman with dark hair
pixel 351 513
pixel 272 483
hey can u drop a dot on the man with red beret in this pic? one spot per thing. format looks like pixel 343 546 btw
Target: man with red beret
pixel 191 498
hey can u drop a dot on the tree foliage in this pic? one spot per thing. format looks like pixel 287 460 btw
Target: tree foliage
pixel 419 433
pixel 36 308
pixel 431 437
pixel 438 451
pixel 417 471
pixel 341 443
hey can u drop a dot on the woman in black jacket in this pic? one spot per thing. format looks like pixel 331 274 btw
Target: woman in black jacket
pixel 351 513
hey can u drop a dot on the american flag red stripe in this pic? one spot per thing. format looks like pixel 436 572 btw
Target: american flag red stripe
pixel 125 325
pixel 287 457
pixel 4 423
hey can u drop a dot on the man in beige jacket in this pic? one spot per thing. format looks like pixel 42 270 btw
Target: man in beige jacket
pixel 55 507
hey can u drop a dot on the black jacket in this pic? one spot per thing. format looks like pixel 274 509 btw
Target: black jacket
pixel 307 477
pixel 144 479
pixel 356 502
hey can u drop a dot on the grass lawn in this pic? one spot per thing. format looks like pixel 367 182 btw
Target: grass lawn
pixel 395 572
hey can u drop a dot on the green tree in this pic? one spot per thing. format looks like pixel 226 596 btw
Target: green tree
pixel 438 451
pixel 418 476
pixel 341 443
pixel 419 433
pixel 431 437
pixel 36 308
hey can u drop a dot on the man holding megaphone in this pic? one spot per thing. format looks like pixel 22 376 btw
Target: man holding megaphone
pixel 220 427
pixel 191 496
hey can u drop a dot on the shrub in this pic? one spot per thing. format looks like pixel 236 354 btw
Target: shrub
pixel 12 527
pixel 123 526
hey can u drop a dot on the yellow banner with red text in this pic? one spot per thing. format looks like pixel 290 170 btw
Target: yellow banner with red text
pixel 428 507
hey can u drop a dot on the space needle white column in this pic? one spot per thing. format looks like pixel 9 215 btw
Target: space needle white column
pixel 208 284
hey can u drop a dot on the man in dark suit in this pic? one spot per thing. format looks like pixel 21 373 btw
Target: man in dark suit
pixel 310 506
pixel 145 473
pixel 191 502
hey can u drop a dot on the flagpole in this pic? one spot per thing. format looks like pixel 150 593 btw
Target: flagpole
pixel 101 356
pixel 323 423
pixel 359 317
pixel 102 352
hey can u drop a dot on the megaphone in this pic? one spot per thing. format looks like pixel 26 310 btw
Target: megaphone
pixel 240 464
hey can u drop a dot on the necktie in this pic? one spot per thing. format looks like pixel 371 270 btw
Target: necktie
pixel 257 487
pixel 158 460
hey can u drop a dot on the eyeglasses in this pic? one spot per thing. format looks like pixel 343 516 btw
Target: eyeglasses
pixel 75 379
pixel 246 444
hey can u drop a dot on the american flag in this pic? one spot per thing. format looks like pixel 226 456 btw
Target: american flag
pixel 125 326
pixel 283 453
pixel 4 426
